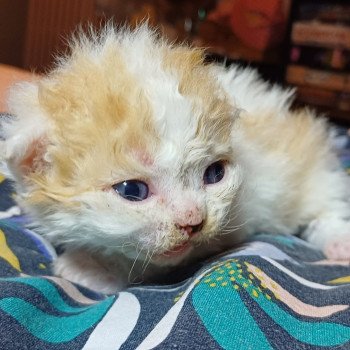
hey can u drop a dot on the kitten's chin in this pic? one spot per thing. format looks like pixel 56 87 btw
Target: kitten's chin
pixel 173 256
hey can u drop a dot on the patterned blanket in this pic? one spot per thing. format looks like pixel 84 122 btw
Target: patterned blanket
pixel 274 292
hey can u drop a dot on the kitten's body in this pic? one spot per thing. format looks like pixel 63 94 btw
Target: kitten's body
pixel 127 106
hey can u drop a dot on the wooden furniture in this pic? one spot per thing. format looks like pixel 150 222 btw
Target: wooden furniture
pixel 319 56
pixel 49 23
pixel 33 31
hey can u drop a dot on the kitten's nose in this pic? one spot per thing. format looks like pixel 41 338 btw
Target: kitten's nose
pixel 188 215
pixel 190 229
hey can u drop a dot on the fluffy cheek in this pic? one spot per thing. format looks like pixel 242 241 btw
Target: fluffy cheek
pixel 96 220
pixel 218 215
pixel 221 201
pixel 135 229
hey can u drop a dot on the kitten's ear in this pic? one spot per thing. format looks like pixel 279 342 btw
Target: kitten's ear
pixel 23 133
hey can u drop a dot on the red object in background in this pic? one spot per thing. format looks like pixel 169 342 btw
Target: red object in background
pixel 259 24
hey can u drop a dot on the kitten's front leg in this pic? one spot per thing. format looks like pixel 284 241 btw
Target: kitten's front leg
pixel 80 267
pixel 329 200
pixel 331 233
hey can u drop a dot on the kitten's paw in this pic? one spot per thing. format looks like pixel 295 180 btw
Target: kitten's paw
pixel 338 249
pixel 80 268
pixel 331 235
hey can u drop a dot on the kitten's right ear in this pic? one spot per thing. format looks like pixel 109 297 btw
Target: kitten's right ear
pixel 23 132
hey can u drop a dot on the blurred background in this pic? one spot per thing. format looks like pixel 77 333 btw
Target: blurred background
pixel 301 43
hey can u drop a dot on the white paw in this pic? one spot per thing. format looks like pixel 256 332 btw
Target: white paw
pixel 338 249
pixel 331 234
pixel 81 268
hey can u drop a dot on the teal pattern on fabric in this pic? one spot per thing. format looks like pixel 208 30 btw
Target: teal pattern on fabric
pixel 314 333
pixel 286 240
pixel 224 308
pixel 50 292
pixel 223 313
pixel 6 223
pixel 54 329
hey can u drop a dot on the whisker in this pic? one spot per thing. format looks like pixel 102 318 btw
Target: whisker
pixel 144 263
pixel 133 265
pixel 149 261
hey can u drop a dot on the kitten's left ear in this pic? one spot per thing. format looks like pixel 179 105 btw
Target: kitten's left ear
pixel 23 133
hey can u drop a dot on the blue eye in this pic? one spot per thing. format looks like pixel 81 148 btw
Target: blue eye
pixel 214 173
pixel 132 190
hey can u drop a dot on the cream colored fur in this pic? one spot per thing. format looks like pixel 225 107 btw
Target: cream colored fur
pixel 128 105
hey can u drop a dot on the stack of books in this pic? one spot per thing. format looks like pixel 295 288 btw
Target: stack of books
pixel 319 62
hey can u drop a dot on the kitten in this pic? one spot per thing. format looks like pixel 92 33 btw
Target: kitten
pixel 135 155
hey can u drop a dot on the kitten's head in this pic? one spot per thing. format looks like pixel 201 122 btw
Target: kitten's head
pixel 126 147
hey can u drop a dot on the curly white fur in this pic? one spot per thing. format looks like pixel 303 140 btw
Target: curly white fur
pixel 128 105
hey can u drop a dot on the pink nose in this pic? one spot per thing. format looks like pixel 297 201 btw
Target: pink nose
pixel 188 216
pixel 190 229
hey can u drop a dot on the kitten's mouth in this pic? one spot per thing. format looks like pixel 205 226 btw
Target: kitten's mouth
pixel 181 249
pixel 176 251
